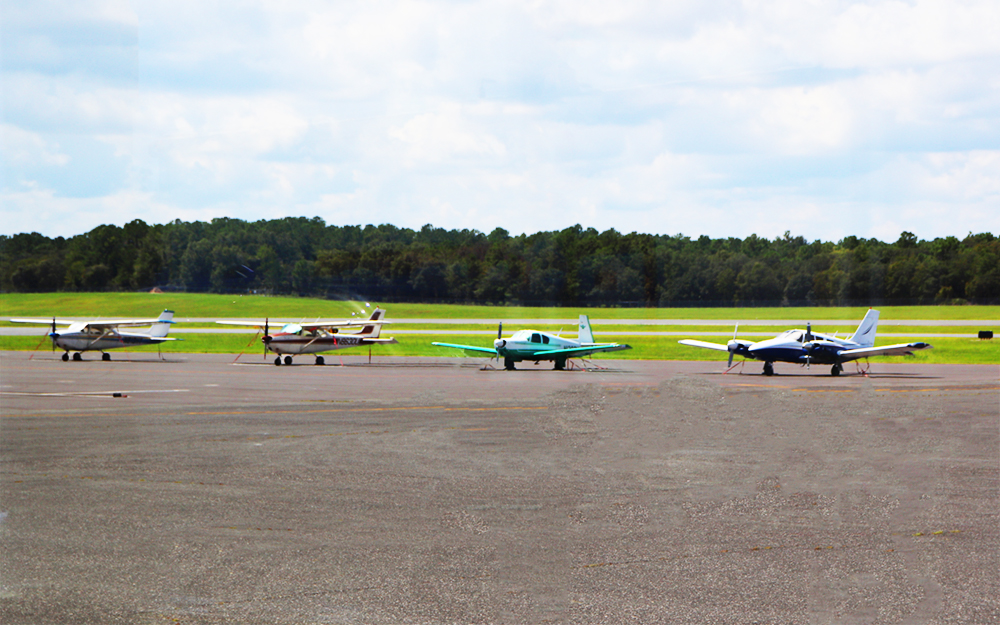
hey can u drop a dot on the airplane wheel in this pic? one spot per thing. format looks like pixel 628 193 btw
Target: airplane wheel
pixel 836 370
pixel 65 356
pixel 508 364
pixel 77 357
pixel 560 365
pixel 320 361
pixel 768 368
pixel 277 361
pixel 288 360
pixel 105 357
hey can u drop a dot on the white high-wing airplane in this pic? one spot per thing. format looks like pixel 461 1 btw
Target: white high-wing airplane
pixel 82 336
pixel 537 346
pixel 318 336
pixel 805 347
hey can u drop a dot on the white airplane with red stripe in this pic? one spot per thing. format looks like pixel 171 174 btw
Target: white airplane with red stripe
pixel 318 336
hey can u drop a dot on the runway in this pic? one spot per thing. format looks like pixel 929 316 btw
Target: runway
pixel 430 490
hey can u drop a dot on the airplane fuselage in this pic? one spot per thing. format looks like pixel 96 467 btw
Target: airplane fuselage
pixel 95 341
pixel 305 343
pixel 793 346
pixel 532 345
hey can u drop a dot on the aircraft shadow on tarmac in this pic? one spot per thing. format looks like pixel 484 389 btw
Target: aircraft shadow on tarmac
pixel 806 374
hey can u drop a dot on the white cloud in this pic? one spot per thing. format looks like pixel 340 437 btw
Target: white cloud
pixel 443 137
pixel 21 147
pixel 833 118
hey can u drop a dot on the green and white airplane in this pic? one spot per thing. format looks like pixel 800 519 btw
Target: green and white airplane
pixel 537 346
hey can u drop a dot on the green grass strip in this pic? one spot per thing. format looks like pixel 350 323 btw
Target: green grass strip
pixel 144 305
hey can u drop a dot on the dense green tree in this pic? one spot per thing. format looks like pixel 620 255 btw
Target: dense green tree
pixel 573 266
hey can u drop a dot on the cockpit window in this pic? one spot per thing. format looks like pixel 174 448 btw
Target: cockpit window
pixel 536 338
pixel 292 328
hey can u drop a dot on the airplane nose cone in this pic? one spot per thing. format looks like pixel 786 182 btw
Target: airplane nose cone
pixel 499 344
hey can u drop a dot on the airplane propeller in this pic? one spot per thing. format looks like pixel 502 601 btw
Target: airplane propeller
pixel 267 336
pixel 809 344
pixel 733 345
pixel 499 343
pixel 53 335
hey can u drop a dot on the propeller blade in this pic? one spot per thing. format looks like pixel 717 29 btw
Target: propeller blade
pixel 267 337
pixel 730 359
pixel 500 330
pixel 54 336
pixel 735 330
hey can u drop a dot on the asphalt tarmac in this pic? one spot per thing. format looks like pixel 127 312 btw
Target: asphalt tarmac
pixel 195 490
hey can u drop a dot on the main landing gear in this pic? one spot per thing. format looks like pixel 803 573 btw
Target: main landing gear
pixel 560 365
pixel 508 364
pixel 768 368
pixel 288 360
pixel 105 356
pixel 837 368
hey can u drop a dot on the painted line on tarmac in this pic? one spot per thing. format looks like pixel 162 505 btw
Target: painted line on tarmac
pixel 93 393
pixel 800 547
pixel 391 409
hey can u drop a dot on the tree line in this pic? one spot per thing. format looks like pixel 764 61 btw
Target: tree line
pixel 576 266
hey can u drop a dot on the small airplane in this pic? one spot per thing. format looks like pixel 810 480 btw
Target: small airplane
pixel 805 347
pixel 537 346
pixel 82 336
pixel 317 336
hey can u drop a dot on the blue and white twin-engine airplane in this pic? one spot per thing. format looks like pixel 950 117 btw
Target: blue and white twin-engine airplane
pixel 805 347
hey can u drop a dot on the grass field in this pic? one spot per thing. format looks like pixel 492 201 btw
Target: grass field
pixel 952 350
pixel 236 306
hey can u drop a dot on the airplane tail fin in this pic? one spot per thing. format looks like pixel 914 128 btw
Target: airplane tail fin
pixel 162 325
pixel 585 334
pixel 373 330
pixel 865 334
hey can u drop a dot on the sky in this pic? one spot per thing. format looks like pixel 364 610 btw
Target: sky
pixel 824 119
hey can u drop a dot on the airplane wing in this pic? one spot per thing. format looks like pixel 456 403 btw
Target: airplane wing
pixel 62 322
pixel 121 323
pixel 704 344
pixel 901 349
pixel 97 325
pixel 471 350
pixel 252 324
pixel 306 326
pixel 584 351
pixel 350 323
